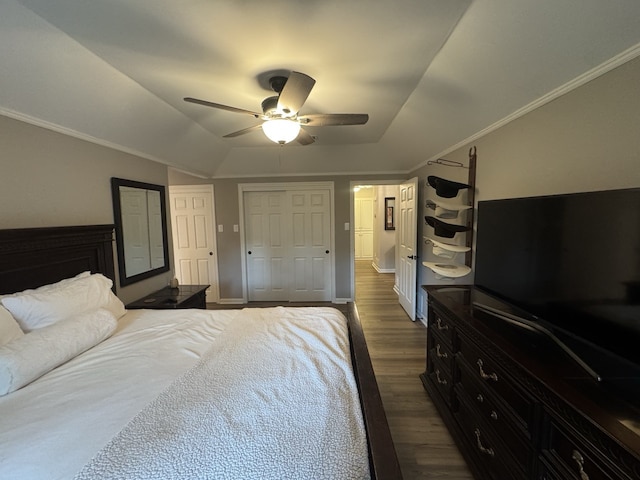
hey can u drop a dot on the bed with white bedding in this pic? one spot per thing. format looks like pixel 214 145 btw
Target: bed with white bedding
pixel 251 393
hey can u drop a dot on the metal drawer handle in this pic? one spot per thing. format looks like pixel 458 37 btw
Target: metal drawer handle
pixel 485 376
pixel 480 398
pixel 494 415
pixel 440 355
pixel 441 381
pixel 441 326
pixel 482 448
pixel 579 459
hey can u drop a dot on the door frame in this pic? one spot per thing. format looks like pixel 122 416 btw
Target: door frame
pixel 286 186
pixel 352 241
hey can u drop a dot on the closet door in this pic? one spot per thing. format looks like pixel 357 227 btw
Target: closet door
pixel 267 257
pixel 309 213
pixel 288 241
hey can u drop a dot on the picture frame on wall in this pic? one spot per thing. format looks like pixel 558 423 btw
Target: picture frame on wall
pixel 389 214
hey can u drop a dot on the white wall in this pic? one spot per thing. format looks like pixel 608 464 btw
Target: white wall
pixel 384 255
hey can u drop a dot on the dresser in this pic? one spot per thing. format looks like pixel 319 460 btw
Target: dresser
pixel 517 405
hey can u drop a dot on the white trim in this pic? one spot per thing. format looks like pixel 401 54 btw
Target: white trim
pixel 231 301
pixel 580 80
pixel 382 270
pixel 288 186
pixel 88 138
pixel 343 300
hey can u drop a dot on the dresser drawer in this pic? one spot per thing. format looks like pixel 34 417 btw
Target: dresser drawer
pixel 443 327
pixel 441 350
pixel 485 371
pixel 489 449
pixel 506 426
pixel 569 454
pixel 441 378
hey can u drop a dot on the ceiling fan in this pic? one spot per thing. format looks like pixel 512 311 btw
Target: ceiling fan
pixel 282 122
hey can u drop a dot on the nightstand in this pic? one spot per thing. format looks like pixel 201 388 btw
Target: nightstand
pixel 184 296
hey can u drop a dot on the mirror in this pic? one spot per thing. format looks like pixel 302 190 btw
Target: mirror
pixel 140 215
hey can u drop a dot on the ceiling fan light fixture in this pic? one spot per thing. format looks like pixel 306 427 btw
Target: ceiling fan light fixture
pixel 281 130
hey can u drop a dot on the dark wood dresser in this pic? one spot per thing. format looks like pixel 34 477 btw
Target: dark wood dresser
pixel 518 405
pixel 184 296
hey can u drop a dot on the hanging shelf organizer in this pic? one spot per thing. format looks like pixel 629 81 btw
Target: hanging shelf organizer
pixel 448 270
pixel 448 205
pixel 444 209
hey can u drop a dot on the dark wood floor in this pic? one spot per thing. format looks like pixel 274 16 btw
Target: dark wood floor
pixel 397 348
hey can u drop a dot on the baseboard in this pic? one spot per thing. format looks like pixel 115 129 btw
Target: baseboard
pixel 342 300
pixel 231 301
pixel 382 270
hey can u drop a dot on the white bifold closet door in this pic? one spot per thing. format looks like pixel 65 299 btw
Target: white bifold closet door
pixel 287 239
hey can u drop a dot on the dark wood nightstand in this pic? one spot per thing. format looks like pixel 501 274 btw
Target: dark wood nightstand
pixel 184 296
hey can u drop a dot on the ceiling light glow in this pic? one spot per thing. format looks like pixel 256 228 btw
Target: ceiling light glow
pixel 281 130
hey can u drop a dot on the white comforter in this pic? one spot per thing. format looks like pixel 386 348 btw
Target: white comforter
pixel 56 425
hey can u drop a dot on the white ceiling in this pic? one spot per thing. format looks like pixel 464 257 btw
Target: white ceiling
pixel 431 74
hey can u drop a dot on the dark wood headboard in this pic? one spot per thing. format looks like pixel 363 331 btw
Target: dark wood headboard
pixel 32 257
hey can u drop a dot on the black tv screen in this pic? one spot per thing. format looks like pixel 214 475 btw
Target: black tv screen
pixel 571 261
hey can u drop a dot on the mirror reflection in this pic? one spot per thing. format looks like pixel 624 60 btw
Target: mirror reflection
pixel 141 232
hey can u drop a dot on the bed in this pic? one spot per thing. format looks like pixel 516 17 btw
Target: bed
pixel 147 400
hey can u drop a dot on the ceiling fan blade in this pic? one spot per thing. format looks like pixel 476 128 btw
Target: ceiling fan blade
pixel 221 107
pixel 304 138
pixel 330 119
pixel 295 92
pixel 243 131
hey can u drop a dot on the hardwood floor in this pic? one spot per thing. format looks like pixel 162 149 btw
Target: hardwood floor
pixel 397 348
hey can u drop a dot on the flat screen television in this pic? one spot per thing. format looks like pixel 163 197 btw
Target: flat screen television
pixel 571 263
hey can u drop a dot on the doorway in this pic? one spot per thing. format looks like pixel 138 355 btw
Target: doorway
pixel 373 221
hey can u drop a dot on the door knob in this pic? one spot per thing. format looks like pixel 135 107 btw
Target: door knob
pixel 412 257
pixel 210 253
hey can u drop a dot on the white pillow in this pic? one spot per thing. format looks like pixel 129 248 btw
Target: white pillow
pixel 27 358
pixel 9 328
pixel 49 304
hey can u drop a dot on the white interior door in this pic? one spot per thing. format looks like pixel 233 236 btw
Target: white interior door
pixel 194 242
pixel 407 246
pixel 309 213
pixel 265 242
pixel 288 245
pixel 363 224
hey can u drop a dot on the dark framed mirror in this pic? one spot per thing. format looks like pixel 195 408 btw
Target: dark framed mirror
pixel 140 216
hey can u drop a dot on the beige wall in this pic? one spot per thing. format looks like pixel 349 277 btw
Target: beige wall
pixel 227 214
pixel 50 179
pixel 586 140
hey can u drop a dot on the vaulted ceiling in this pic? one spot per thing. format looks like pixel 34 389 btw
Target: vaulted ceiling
pixel 431 74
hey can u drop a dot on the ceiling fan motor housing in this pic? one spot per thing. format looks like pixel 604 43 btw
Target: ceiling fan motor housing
pixel 277 83
pixel 270 106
